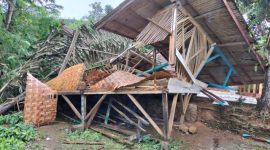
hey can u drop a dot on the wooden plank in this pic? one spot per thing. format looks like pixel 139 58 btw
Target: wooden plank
pixel 83 110
pixel 260 88
pixel 111 135
pixel 165 115
pixel 118 129
pixel 70 51
pixel 182 61
pixel 172 114
pixel 172 46
pixel 77 113
pixel 132 98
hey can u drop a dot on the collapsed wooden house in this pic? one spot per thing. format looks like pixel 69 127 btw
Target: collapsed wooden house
pixel 204 43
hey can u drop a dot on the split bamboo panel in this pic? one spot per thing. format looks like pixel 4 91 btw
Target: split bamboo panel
pixel 69 79
pixel 40 102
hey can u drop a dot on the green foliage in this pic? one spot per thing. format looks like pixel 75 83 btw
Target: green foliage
pixel 14 134
pixel 11 119
pixel 11 144
pixel 85 135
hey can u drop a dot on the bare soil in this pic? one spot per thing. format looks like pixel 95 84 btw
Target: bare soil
pixel 51 138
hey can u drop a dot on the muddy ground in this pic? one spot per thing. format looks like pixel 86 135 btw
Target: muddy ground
pixel 52 136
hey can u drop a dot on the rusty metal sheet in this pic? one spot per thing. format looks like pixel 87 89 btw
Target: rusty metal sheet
pixel 116 80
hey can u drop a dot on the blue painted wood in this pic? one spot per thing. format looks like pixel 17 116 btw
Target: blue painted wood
pixel 221 86
pixel 212 58
pixel 226 61
pixel 227 77
pixel 156 68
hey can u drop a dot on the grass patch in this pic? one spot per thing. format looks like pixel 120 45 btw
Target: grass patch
pixel 146 144
pixel 14 134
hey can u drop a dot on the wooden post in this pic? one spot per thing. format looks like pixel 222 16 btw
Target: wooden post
pixel 260 88
pixel 172 113
pixel 185 102
pixel 165 115
pixel 83 110
pixel 173 37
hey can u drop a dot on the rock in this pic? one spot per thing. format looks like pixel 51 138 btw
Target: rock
pixel 183 128
pixel 192 129
pixel 192 113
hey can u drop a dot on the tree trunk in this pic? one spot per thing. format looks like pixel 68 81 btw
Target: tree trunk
pixel 264 103
pixel 9 14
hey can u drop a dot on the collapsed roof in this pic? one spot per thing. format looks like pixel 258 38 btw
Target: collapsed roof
pixel 221 21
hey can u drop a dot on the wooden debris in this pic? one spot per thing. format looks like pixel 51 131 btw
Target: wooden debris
pixel 113 136
pixel 66 141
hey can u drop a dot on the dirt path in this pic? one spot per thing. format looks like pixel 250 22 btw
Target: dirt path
pixel 212 139
pixel 205 139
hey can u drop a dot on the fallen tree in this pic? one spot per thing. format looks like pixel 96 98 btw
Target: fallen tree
pixel 94 48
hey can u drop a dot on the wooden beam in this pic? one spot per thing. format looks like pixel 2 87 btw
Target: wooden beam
pixel 165 115
pixel 70 51
pixel 244 34
pixel 210 13
pixel 77 113
pixel 232 44
pixel 173 38
pixel 172 114
pixel 182 61
pixel 137 104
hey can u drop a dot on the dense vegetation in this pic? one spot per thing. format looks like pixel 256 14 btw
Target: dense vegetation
pixel 14 134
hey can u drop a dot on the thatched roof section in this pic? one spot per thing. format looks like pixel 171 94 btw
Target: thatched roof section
pixel 219 18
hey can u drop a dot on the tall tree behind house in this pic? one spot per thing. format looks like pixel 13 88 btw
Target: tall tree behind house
pixel 258 15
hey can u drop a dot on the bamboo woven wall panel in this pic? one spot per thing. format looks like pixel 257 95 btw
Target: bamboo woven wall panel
pixel 116 80
pixel 40 102
pixel 152 32
pixel 69 79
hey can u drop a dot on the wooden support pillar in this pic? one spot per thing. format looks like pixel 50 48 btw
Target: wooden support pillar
pixel 83 111
pixel 172 114
pixel 173 37
pixel 185 101
pixel 260 88
pixel 165 119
